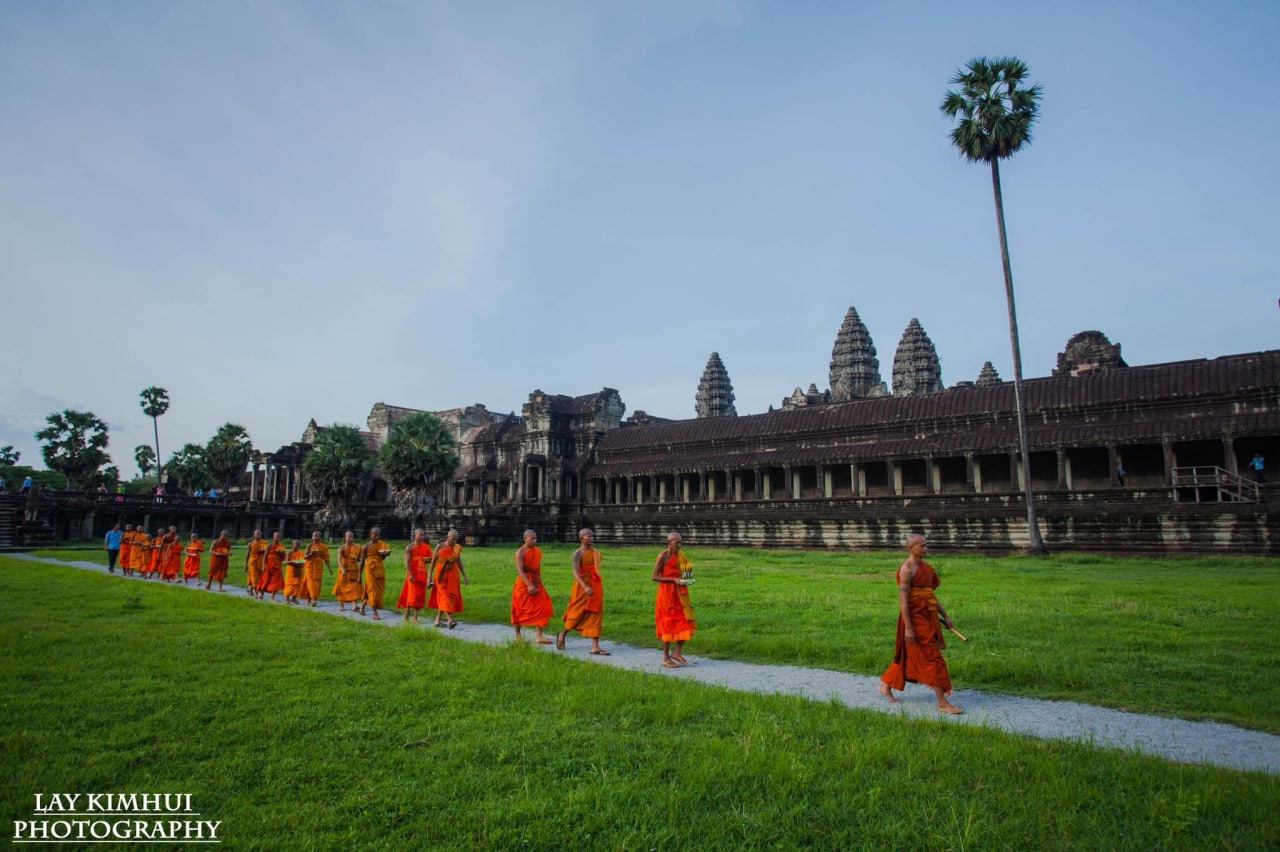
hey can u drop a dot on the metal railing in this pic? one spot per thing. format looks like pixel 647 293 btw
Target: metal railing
pixel 1213 485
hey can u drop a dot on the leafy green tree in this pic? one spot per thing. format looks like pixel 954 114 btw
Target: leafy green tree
pixel 416 458
pixel 188 467
pixel 155 402
pixel 75 445
pixel 995 111
pixel 338 468
pixel 145 458
pixel 227 454
pixel 9 456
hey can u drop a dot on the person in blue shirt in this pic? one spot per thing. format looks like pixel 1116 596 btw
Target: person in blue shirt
pixel 112 545
pixel 1258 463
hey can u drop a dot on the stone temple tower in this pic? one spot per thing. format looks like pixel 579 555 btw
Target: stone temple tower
pixel 915 365
pixel 987 375
pixel 715 393
pixel 855 369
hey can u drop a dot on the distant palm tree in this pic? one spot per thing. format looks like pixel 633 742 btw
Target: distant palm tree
pixel 227 454
pixel 995 113
pixel 338 468
pixel 416 458
pixel 145 458
pixel 155 402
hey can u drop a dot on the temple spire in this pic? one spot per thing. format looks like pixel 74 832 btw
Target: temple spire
pixel 715 393
pixel 915 365
pixel 855 369
pixel 987 375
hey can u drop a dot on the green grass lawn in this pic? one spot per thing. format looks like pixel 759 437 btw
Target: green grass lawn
pixel 1191 637
pixel 302 731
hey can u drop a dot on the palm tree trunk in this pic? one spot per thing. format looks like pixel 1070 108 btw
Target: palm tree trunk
pixel 1033 525
pixel 159 467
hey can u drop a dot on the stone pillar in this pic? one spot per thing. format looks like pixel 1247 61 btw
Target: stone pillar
pixel 970 473
pixel 766 486
pixel 731 491
pixel 857 480
pixel 933 475
pixel 253 483
pixel 1170 458
pixel 786 482
pixel 1015 471
pixel 1229 460
pixel 759 490
pixel 895 477
pixel 1062 471
pixel 704 488
pixel 662 490
pixel 824 477
pixel 1113 458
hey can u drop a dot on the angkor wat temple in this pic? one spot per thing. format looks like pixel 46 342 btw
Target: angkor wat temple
pixel 1150 457
pixel 1122 457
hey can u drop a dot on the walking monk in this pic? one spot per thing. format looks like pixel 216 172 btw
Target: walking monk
pixel 585 612
pixel 917 648
pixel 253 563
pixel 316 558
pixel 171 556
pixel 413 594
pixel 530 604
pixel 293 572
pixel 154 558
pixel 672 611
pixel 447 575
pixel 219 560
pixel 126 551
pixel 347 588
pixel 373 553
pixel 139 553
pixel 191 559
pixel 272 579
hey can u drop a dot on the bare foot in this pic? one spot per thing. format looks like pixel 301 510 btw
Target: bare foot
pixel 679 658
pixel 949 708
pixel 670 664
pixel 542 640
pixel 884 690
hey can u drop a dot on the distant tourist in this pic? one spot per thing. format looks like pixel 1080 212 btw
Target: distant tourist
pixel 1258 463
pixel 530 604
pixel 213 493
pixel 447 577
pixel 26 486
pixel 917 648
pixel 1120 471
pixel 585 610
pixel 672 610
pixel 2 483
pixel 199 493
pixel 112 545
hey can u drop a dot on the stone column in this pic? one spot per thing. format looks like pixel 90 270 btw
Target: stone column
pixel 824 477
pixel 1062 471
pixel 1229 460
pixel 895 477
pixel 1170 458
pixel 730 487
pixel 1113 457
pixel 759 490
pixel 857 480
pixel 703 486
pixel 766 486
pixel 253 483
pixel 1015 471
pixel 970 473
pixel 933 475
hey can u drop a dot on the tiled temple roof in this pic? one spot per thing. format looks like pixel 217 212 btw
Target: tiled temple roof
pixel 1131 404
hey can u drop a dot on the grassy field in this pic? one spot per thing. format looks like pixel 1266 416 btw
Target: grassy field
pixel 1177 636
pixel 302 731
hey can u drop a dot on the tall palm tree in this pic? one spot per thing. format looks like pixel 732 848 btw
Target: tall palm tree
pixel 155 402
pixel 338 468
pixel 227 454
pixel 995 112
pixel 418 455
pixel 145 458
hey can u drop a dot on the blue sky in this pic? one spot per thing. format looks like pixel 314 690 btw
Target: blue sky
pixel 287 210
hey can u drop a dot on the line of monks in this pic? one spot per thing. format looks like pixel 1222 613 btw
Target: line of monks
pixel 434 580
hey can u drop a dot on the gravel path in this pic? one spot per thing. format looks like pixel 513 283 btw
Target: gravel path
pixel 1212 743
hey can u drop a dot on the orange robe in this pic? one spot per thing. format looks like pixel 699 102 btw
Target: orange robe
pixel 346 587
pixel 920 661
pixel 170 558
pixel 446 591
pixel 585 612
pixel 219 559
pixel 253 564
pixel 531 609
pixel 672 611
pixel 153 561
pixel 293 574
pixel 316 555
pixel 191 562
pixel 139 552
pixel 272 579
pixel 126 551
pixel 375 574
pixel 413 594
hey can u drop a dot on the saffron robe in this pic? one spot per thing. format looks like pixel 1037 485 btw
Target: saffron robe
pixel 140 551
pixel 413 594
pixel 126 549
pixel 171 556
pixel 585 612
pixel 191 559
pixel 531 609
pixel 272 579
pixel 253 561
pixel 346 587
pixel 155 556
pixel 920 661
pixel 672 611
pixel 219 559
pixel 446 591
pixel 316 557
pixel 293 573
pixel 375 574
